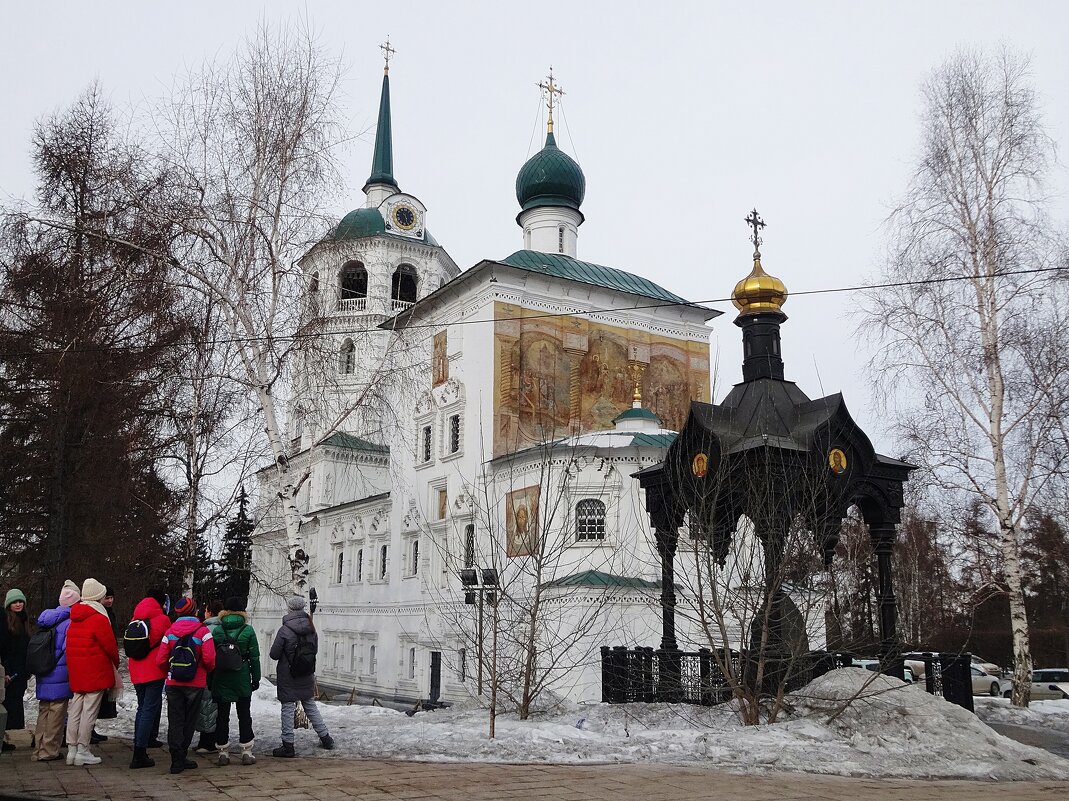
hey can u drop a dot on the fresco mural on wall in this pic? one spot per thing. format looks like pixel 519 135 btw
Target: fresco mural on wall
pixel 555 376
pixel 521 521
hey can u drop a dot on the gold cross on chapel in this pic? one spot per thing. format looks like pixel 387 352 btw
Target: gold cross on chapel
pixel 551 89
pixel 387 52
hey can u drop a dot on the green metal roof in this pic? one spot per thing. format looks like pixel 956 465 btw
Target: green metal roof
pixel 550 178
pixel 595 578
pixel 360 223
pixel 653 440
pixel 339 439
pixel 562 266
pixel 642 413
pixel 382 160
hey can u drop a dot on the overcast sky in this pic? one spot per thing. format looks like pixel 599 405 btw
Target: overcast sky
pixel 683 116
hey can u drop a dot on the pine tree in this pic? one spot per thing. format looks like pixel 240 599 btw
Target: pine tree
pixel 234 573
pixel 206 583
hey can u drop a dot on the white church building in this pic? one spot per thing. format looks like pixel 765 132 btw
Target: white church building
pixel 485 420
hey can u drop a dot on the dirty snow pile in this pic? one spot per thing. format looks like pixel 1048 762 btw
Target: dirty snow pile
pixel 888 729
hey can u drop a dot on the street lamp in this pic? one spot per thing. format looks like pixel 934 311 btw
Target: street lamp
pixel 479 586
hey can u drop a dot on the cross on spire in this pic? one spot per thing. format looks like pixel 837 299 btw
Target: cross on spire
pixel 387 53
pixel 550 88
pixel 754 221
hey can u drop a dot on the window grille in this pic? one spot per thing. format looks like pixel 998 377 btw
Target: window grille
pixel 469 545
pixel 425 445
pixel 589 520
pixel 454 433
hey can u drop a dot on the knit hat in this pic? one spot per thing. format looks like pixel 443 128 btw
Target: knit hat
pixel 92 590
pixel 185 607
pixel 12 596
pixel 296 603
pixel 108 593
pixel 235 603
pixel 69 595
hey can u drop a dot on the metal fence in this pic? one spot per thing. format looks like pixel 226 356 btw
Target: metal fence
pixel 706 677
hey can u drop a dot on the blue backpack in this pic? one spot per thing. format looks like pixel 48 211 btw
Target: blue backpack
pixel 185 657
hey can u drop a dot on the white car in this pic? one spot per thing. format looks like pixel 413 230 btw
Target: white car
pixel 1048 683
pixel 984 683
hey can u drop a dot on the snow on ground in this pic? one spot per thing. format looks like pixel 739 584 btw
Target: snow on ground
pixel 888 729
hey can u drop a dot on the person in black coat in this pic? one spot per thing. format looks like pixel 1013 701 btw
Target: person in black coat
pixel 296 626
pixel 14 640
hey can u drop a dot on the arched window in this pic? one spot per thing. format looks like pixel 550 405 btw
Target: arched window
pixel 469 545
pixel 347 360
pixel 384 561
pixel 589 520
pixel 353 281
pixel 404 284
pixel 360 565
pixel 339 568
pixel 373 662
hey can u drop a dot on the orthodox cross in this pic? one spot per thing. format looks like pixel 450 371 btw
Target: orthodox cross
pixel 387 52
pixel 754 221
pixel 551 89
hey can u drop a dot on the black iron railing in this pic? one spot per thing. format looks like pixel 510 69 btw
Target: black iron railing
pixel 706 677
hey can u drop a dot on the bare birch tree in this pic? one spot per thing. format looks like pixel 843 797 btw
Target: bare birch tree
pixel 971 334
pixel 249 147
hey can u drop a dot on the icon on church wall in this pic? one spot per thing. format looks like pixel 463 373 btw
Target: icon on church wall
pixel 837 461
pixel 521 521
pixel 440 360
pixel 700 465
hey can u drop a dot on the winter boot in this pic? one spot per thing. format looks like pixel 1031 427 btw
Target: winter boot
pixel 187 763
pixel 85 756
pixel 224 755
pixel 178 761
pixel 141 759
pixel 247 757
pixel 326 741
pixel 285 750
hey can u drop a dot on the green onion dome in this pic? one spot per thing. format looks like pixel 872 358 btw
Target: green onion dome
pixel 360 223
pixel 550 178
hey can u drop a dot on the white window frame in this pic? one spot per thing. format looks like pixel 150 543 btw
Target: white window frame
pixel 586 537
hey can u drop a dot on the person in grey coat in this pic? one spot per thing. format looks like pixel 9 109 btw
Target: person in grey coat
pixel 296 624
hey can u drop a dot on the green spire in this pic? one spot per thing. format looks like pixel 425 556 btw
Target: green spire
pixel 382 162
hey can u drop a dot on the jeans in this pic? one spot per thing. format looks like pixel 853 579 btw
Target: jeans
pixel 310 709
pixel 222 723
pixel 149 709
pixel 183 706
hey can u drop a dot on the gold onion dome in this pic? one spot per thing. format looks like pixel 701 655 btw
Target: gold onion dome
pixel 759 292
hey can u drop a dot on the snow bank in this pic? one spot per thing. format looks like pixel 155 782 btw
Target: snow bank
pixel 888 729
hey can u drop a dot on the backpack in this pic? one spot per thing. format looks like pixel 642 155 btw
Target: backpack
pixel 135 640
pixel 303 659
pixel 185 657
pixel 41 651
pixel 227 654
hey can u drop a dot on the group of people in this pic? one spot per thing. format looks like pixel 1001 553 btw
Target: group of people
pixel 199 662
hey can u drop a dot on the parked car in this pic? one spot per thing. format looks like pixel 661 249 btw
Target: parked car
pixel 984 683
pixel 990 667
pixel 1048 683
pixel 874 665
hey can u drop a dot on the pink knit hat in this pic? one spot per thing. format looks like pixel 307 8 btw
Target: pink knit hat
pixel 69 595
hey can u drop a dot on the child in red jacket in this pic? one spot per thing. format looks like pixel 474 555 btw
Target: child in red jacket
pixel 92 661
pixel 187 646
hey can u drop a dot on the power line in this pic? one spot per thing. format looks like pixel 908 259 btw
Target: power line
pixel 545 315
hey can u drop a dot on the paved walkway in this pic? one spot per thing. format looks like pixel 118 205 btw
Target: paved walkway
pixel 313 779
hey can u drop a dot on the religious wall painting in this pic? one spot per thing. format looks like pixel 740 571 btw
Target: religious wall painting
pixel 543 398
pixel 667 389
pixel 584 376
pixel 521 521
pixel 605 386
pixel 699 465
pixel 440 360
pixel 837 461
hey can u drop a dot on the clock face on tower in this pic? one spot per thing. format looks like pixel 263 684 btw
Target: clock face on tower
pixel 404 217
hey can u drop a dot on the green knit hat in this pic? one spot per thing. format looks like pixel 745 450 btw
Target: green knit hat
pixel 12 596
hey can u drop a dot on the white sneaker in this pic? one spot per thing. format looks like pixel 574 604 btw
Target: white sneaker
pixel 85 756
pixel 72 749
